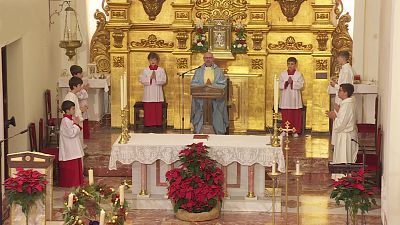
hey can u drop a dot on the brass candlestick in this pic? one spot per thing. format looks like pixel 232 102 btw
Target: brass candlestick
pixel 274 176
pixel 124 126
pixel 298 176
pixel 287 130
pixel 275 141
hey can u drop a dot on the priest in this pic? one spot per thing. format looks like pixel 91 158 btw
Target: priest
pixel 209 74
pixel 344 125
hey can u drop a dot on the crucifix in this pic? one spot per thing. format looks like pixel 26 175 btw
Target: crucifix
pixel 287 130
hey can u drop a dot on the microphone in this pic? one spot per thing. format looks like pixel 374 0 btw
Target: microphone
pixel 183 74
pixel 21 132
pixel 24 131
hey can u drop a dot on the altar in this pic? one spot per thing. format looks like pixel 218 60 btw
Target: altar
pixel 243 159
pixel 98 95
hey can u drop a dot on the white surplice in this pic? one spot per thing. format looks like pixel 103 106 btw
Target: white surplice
pixel 153 91
pixel 345 129
pixel 291 98
pixel 70 143
pixel 83 101
pixel 346 75
pixel 74 98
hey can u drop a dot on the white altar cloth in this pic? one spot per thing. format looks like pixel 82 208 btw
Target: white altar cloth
pixel 247 150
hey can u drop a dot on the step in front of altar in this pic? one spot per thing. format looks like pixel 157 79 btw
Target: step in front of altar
pixel 235 203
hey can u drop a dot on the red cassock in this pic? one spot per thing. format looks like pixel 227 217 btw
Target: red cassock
pixel 152 113
pixel 71 173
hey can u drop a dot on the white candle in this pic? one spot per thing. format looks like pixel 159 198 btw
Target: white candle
pixel 121 83
pixel 273 167
pixel 70 200
pixel 276 94
pixel 91 180
pixel 297 167
pixel 102 216
pixel 125 89
pixel 121 194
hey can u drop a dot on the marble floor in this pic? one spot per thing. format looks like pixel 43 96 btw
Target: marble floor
pixel 316 208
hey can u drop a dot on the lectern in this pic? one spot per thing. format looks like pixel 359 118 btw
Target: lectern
pixel 207 93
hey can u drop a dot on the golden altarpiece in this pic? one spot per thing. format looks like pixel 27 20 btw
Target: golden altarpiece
pixel 276 29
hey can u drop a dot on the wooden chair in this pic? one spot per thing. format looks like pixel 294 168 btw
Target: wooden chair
pixel 51 123
pixel 48 150
pixel 32 137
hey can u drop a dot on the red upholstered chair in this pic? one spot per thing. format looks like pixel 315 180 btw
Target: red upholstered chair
pixel 48 150
pixel 51 123
pixel 32 137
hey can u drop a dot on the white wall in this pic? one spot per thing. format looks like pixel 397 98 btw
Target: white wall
pixel 389 61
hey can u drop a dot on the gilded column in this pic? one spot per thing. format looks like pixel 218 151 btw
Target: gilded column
pixel 118 26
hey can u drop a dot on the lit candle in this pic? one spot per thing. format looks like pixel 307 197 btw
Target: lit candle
pixel 121 194
pixel 276 94
pixel 125 89
pixel 91 180
pixel 121 83
pixel 273 167
pixel 102 216
pixel 70 200
pixel 297 167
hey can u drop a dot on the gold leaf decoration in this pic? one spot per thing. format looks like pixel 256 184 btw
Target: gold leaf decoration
pixel 221 9
pixel 100 44
pixel 290 44
pixel 152 7
pixel 152 42
pixel 290 8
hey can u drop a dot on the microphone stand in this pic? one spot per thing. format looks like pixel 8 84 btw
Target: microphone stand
pixel 182 75
pixel 1 174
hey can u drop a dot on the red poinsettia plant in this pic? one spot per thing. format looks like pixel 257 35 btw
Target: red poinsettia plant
pixel 196 186
pixel 356 191
pixel 25 188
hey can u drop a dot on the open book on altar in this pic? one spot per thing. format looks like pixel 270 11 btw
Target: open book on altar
pixel 203 137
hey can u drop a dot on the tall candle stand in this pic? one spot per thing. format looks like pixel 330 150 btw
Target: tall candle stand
pixel 274 176
pixel 287 130
pixel 298 175
pixel 275 141
pixel 124 126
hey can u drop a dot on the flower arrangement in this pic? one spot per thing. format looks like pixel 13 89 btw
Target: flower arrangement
pixel 196 186
pixel 25 189
pixel 200 43
pixel 356 191
pixel 86 206
pixel 239 46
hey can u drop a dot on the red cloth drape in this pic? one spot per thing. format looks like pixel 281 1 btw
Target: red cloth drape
pixel 294 117
pixel 86 129
pixel 71 173
pixel 152 113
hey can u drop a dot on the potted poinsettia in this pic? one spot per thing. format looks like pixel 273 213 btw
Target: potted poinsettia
pixel 356 191
pixel 195 188
pixel 25 189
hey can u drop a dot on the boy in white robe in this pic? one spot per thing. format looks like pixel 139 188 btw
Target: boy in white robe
pixel 344 125
pixel 153 78
pixel 291 82
pixel 75 85
pixel 76 71
pixel 70 148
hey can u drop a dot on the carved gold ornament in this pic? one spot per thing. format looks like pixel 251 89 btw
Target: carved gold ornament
pixel 257 64
pixel 341 41
pixel 290 44
pixel 338 8
pixel 257 38
pixel 118 61
pixel 181 63
pixel 321 64
pixel 151 42
pixel 105 7
pixel 221 9
pixel 100 44
pixel 152 7
pixel 182 38
pixel 322 38
pixel 118 36
pixel 290 8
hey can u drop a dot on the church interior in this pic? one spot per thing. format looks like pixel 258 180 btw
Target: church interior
pixel 270 173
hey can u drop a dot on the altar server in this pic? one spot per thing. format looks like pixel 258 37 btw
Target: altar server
pixel 153 78
pixel 70 148
pixel 344 125
pixel 291 82
pixel 76 71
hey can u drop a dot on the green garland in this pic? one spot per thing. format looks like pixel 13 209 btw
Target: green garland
pixel 86 206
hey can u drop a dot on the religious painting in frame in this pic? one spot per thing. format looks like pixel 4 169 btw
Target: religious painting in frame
pixel 91 70
pixel 220 36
